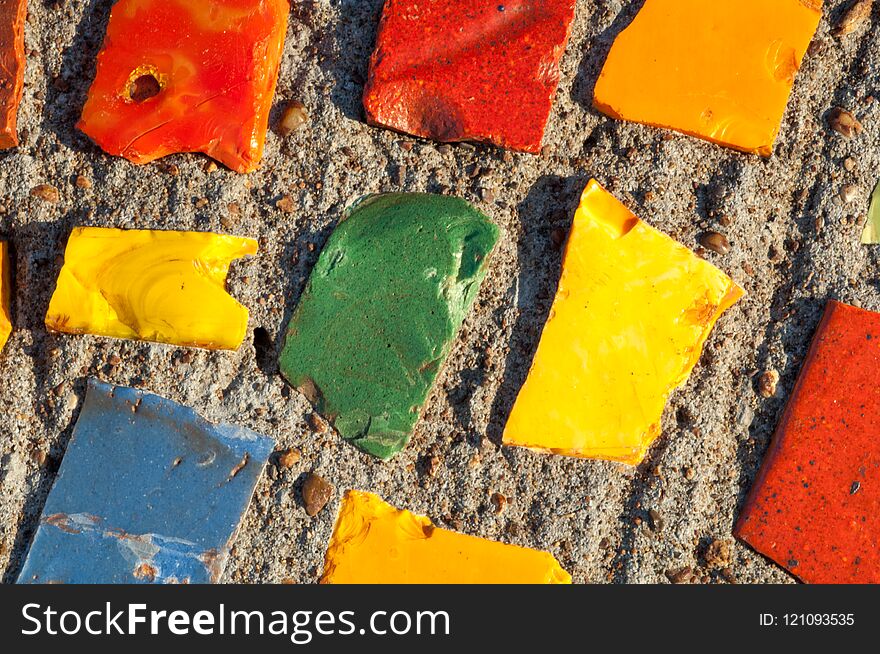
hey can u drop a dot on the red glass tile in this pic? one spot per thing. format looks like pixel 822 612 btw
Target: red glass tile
pixel 815 506
pixel 470 70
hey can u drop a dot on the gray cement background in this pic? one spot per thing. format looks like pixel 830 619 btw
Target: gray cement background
pixel 795 244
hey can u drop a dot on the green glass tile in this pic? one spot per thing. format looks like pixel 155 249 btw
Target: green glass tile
pixel 381 311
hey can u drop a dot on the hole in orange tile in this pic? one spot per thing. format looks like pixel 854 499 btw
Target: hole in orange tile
pixel 144 87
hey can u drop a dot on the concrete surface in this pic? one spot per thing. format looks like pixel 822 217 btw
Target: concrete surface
pixel 795 245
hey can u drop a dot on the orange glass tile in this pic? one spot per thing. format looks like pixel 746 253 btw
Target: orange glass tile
pixel 5 294
pixel 13 14
pixel 375 543
pixel 186 76
pixel 720 70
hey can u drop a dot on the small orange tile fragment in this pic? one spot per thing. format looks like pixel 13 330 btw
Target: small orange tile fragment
pixel 375 543
pixel 721 70
pixel 5 294
pixel 13 14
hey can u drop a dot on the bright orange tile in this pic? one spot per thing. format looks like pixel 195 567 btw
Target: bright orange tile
pixel 375 543
pixel 721 70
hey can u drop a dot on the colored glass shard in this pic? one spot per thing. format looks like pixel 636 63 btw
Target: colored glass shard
pixel 472 70
pixel 166 287
pixel 721 70
pixel 5 294
pixel 13 14
pixel 381 310
pixel 182 76
pixel 871 234
pixel 374 543
pixel 148 492
pixel 627 327
pixel 813 508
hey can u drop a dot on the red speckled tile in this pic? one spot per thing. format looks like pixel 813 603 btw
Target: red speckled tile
pixel 815 506
pixel 470 70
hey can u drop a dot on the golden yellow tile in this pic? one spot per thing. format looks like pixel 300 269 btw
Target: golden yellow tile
pixel 375 543
pixel 627 327
pixel 167 287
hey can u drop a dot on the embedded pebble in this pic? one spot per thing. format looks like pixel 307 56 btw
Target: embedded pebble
pixel 316 492
pixel 716 242
pixel 46 192
pixel 855 18
pixel 767 383
pixel 294 116
pixel 844 123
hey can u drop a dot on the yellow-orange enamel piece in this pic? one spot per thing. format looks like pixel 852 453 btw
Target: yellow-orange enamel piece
pixel 167 287
pixel 721 70
pixel 375 543
pixel 627 327
pixel 5 294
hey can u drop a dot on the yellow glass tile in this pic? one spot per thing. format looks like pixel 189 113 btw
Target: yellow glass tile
pixel 5 294
pixel 374 543
pixel 167 287
pixel 721 70
pixel 627 327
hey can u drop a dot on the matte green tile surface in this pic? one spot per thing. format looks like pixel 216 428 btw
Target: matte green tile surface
pixel 381 311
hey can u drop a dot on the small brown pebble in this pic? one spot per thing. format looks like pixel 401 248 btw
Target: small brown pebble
pixel 432 466
pixel 285 204
pixel 689 473
pixel 406 146
pixel 725 220
pixel 210 167
pixel 857 16
pixel 716 242
pixel 310 391
pixel 295 115
pixel 114 360
pixel 46 192
pixel 767 383
pixel 289 458
pixel 487 195
pixel 83 182
pixel 170 169
pixel 38 457
pixel 849 164
pixel 680 575
pixel 499 502
pixel 849 193
pixel 718 554
pixel 316 492
pixel 400 175
pixel 318 424
pixel 727 575
pixel 844 123
pixel 201 203
pixel 654 520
